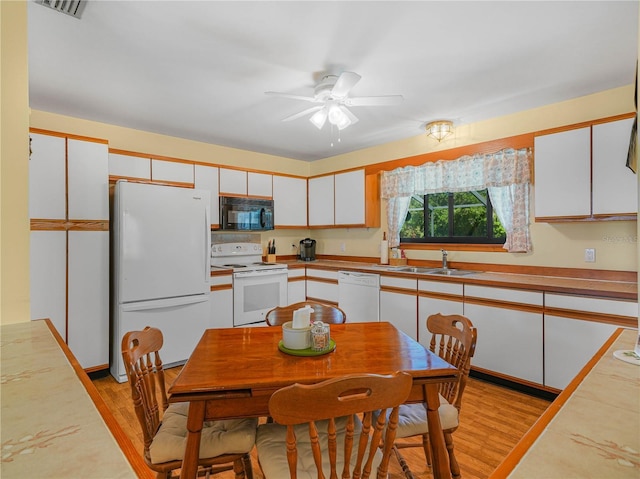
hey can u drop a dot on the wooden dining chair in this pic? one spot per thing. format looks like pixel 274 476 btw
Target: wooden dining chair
pixel 453 338
pixel 318 431
pixel 225 445
pixel 321 311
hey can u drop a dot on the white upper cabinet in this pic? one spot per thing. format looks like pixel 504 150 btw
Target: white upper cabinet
pixel 233 182
pixel 206 178
pixel 321 201
pixel 88 177
pixel 615 187
pixel 171 171
pixel 582 173
pixel 47 183
pixel 259 184
pixel 125 166
pixel 289 201
pixel 563 174
pixel 350 198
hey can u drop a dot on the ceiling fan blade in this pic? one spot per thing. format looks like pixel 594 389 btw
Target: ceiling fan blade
pixel 293 97
pixel 345 82
pixel 386 100
pixel 303 113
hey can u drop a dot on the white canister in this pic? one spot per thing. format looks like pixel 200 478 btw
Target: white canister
pixel 295 338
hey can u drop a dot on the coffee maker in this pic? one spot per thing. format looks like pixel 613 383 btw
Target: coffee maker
pixel 307 250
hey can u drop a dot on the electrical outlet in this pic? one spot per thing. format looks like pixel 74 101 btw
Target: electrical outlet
pixel 590 255
pixel 343 247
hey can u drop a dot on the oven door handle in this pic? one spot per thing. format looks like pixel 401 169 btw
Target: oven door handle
pixel 260 273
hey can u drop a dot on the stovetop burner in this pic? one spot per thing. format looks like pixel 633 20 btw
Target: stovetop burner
pixel 243 257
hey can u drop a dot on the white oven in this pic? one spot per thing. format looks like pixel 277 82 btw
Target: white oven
pixel 256 292
pixel 257 286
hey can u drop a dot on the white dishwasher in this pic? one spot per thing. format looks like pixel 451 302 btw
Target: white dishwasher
pixel 359 296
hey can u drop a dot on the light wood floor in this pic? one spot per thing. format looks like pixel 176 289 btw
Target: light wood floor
pixel 493 419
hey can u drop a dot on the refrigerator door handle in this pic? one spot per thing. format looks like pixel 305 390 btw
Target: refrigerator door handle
pixel 165 303
pixel 207 248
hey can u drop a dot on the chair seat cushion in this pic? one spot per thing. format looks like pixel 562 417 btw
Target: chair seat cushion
pixel 218 437
pixel 412 418
pixel 271 444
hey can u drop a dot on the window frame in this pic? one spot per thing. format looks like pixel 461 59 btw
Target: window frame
pixel 456 240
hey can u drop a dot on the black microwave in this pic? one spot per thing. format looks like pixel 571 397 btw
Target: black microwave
pixel 246 214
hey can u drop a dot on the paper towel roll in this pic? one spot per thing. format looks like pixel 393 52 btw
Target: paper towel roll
pixel 384 252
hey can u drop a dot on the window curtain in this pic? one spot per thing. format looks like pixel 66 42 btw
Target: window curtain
pixel 506 175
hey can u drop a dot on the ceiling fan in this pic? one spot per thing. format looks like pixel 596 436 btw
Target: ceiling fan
pixel 332 96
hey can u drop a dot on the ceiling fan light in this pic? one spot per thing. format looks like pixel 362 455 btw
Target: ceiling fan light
pixel 318 118
pixel 440 129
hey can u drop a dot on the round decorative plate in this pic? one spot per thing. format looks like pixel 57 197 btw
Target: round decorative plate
pixel 308 351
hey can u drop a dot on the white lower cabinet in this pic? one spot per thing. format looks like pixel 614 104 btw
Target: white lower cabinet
pixel 399 303
pixel 322 285
pixel 221 301
pixel 48 271
pixel 296 291
pixel 569 344
pixel 573 334
pixel 437 297
pixel 510 331
pixel 88 297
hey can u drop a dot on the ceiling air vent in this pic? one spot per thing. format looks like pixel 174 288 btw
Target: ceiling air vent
pixel 70 7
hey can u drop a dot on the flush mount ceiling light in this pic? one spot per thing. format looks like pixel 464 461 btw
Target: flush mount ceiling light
pixel 439 129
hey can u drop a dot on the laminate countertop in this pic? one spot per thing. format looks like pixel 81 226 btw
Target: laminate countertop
pixel 592 430
pixel 552 284
pixel 50 425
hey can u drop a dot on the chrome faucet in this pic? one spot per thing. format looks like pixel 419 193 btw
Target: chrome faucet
pixel 444 259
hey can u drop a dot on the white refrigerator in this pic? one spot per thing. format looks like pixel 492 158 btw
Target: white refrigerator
pixel 161 267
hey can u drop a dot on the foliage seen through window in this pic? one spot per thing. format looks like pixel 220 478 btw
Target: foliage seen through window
pixel 463 217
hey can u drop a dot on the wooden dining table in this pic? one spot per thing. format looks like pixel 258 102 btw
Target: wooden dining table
pixel 233 372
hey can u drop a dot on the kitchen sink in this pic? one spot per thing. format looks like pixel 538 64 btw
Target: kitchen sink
pixel 417 269
pixel 452 272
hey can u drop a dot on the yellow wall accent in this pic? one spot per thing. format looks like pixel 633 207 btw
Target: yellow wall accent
pixel 122 138
pixel 591 107
pixel 14 172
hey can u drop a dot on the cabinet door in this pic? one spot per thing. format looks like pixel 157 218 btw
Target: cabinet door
pixel 563 174
pixel 221 302
pixel 47 181
pixel 321 201
pixel 88 307
pixel 48 275
pixel 259 184
pixel 399 303
pixel 568 345
pixel 125 166
pixel 88 174
pixel 233 182
pixel 206 178
pixel 289 201
pixel 296 291
pixel 615 187
pixel 509 341
pixel 171 171
pixel 350 198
